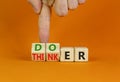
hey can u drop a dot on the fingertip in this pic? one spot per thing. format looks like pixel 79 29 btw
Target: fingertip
pixel 44 36
pixel 36 10
pixel 61 7
pixel 36 4
pixel 72 4
pixel 81 1
pixel 61 12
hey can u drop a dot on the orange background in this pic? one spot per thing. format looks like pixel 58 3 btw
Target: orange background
pixel 95 25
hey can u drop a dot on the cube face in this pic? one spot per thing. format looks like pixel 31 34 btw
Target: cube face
pixel 67 54
pixel 52 51
pixel 81 54
pixel 38 52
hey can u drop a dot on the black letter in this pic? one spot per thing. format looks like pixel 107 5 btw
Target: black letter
pixel 66 55
pixel 81 55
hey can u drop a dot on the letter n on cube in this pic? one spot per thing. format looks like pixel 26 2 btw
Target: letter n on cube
pixel 52 51
pixel 38 51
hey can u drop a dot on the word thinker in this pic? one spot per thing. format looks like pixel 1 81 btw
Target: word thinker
pixel 53 52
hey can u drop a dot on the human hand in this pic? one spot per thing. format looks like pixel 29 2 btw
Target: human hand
pixel 43 8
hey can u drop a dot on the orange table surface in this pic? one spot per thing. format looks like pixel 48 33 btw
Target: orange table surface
pixel 95 25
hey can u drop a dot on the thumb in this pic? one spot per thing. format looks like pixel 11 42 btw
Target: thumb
pixel 36 4
pixel 44 23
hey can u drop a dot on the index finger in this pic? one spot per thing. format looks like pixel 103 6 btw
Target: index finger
pixel 44 23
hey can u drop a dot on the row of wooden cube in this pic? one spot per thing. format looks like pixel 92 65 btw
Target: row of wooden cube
pixel 53 52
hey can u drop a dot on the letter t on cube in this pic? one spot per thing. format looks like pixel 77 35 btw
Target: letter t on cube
pixel 38 51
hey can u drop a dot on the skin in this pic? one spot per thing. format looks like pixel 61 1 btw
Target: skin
pixel 43 9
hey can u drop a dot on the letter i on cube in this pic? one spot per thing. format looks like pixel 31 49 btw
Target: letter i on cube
pixel 38 51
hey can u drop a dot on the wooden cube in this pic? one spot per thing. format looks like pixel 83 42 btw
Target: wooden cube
pixel 38 51
pixel 67 54
pixel 81 54
pixel 52 51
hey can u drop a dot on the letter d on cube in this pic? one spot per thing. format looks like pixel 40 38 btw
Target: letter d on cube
pixel 38 51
